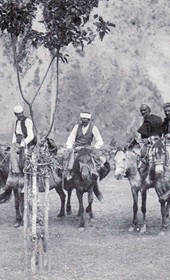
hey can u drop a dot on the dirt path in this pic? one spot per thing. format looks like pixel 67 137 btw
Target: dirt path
pixel 103 251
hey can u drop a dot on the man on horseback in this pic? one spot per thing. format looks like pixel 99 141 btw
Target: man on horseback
pixel 149 132
pixel 82 136
pixel 23 138
pixel 152 124
pixel 166 122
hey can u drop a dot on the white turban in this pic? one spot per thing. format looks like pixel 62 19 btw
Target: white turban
pixel 85 115
pixel 18 109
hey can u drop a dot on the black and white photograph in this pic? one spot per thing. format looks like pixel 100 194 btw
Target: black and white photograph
pixel 85 139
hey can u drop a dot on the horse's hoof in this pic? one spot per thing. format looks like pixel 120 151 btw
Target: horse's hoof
pixel 17 224
pixel 143 229
pixel 60 215
pixel 162 233
pixel 131 229
pixel 88 209
pixel 81 229
pixel 69 212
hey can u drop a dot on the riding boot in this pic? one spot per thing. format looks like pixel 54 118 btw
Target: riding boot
pixel 94 173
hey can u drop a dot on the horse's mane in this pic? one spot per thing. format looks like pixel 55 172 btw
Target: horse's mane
pixel 83 151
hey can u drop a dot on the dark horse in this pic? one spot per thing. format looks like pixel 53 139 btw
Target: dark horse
pixel 84 181
pixel 15 181
pixel 127 164
pixel 12 179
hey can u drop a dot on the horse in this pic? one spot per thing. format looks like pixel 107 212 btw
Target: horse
pixel 12 179
pixel 128 163
pixel 84 181
pixel 4 165
pixel 15 181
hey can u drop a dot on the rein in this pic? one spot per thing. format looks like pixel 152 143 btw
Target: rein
pixel 84 165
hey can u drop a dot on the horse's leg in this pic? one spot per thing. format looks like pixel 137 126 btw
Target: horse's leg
pixel 68 205
pixel 163 213
pixel 81 207
pixel 135 209
pixel 22 207
pixel 90 201
pixel 62 196
pixel 143 209
pixel 167 208
pixel 17 208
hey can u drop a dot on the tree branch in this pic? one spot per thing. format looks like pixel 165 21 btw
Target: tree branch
pixel 44 78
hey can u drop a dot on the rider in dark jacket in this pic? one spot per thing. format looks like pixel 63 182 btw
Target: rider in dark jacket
pixel 152 124
pixel 166 122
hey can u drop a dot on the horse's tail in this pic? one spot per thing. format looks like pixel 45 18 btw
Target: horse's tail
pixel 104 170
pixel 5 196
pixel 97 192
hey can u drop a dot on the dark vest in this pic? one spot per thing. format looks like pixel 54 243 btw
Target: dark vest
pixel 23 127
pixel 24 131
pixel 84 139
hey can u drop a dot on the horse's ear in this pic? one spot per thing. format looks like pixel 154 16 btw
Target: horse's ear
pixel 125 148
pixel 51 145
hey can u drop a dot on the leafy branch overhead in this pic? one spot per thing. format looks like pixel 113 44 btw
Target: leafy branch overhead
pixel 64 22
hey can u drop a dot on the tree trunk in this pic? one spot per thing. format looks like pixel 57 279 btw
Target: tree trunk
pixel 34 217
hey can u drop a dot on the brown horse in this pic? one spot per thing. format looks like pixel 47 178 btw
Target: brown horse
pixel 127 164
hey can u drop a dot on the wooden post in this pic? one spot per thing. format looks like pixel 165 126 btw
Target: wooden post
pixel 34 216
pixel 26 202
pixel 46 217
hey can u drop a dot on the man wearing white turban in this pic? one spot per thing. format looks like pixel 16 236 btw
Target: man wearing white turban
pixel 23 128
pixel 82 135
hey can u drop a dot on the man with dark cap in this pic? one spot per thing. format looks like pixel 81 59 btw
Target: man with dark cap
pixel 166 122
pixel 149 131
pixel 152 124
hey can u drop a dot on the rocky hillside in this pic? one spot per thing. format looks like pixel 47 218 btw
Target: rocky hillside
pixel 110 78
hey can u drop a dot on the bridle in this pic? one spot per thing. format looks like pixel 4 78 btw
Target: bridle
pixel 82 165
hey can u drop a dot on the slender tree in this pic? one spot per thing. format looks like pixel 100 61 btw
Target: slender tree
pixel 65 21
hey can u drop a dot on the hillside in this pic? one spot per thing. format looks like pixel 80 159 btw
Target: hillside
pixel 110 78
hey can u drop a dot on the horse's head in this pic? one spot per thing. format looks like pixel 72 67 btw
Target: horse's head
pixel 4 165
pixel 83 163
pixel 124 161
pixel 120 164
